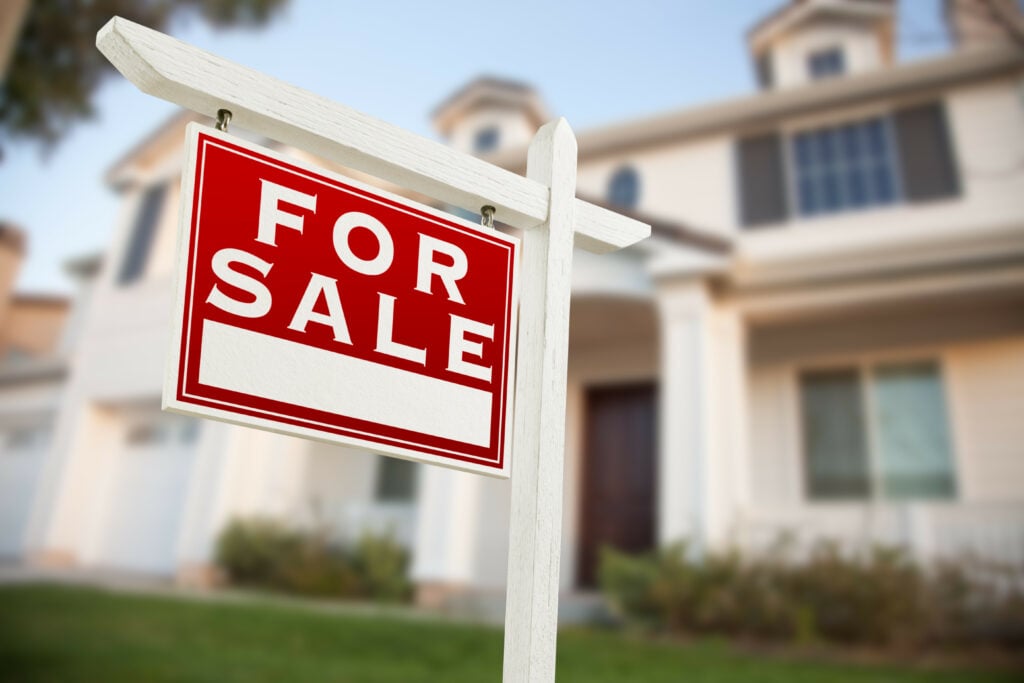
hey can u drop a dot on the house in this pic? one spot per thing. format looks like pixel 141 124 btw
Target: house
pixel 823 338
pixel 32 338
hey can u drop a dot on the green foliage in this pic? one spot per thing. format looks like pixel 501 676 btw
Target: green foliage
pixel 55 66
pixel 255 551
pixel 877 598
pixel 382 566
pixel 264 553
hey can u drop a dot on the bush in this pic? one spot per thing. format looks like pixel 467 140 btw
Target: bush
pixel 264 553
pixel 254 552
pixel 382 566
pixel 878 597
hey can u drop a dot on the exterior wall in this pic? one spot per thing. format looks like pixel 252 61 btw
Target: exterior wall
pixel 981 361
pixel 338 493
pixel 985 380
pixel 987 129
pixel 600 364
pixel 861 48
pixel 690 181
pixel 33 327
pixel 12 245
pixel 515 129
pixel 117 372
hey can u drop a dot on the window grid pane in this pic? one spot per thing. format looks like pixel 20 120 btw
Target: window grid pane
pixel 913 437
pixel 844 167
pixel 835 444
pixel 396 480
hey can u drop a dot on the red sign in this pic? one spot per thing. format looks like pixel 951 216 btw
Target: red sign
pixel 317 306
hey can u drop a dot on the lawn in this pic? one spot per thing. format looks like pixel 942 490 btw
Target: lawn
pixel 51 633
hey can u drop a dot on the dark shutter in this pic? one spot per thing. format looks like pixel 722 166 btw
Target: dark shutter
pixel 926 153
pixel 762 180
pixel 765 73
pixel 141 239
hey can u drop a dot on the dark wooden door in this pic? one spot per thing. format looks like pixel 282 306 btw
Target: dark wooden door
pixel 618 488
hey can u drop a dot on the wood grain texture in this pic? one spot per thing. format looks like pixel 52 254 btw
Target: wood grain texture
pixel 535 533
pixel 178 72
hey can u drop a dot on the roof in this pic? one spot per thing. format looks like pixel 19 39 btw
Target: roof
pixel 12 237
pixel 116 174
pixel 38 299
pixel 84 266
pixel 765 109
pixel 672 230
pixel 32 370
pixel 798 11
pixel 489 90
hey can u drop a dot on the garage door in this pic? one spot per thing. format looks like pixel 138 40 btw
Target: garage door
pixel 22 450
pixel 147 495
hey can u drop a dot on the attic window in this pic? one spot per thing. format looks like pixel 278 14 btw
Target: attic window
pixel 486 140
pixel 624 188
pixel 826 63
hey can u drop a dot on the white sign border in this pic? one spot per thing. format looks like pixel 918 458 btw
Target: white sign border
pixel 170 401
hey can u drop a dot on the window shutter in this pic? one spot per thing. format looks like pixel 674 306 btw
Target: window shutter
pixel 142 235
pixel 926 153
pixel 762 180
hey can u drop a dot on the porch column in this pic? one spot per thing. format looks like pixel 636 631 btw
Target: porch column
pixel 444 551
pixel 703 484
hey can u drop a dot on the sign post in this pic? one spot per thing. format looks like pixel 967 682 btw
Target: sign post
pixel 535 525
pixel 543 204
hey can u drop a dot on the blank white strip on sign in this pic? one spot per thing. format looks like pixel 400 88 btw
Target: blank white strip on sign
pixel 262 365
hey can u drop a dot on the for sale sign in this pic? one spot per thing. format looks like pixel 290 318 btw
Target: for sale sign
pixel 314 305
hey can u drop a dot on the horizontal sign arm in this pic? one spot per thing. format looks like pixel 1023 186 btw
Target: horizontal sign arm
pixel 198 80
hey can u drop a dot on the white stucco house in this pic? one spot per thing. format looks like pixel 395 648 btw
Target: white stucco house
pixel 823 337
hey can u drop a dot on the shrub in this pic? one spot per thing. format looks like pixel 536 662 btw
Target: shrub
pixel 264 553
pixel 382 565
pixel 876 597
pixel 254 551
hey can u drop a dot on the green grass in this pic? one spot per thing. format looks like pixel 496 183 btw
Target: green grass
pixel 51 633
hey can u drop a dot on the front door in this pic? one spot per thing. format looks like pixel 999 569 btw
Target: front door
pixel 617 492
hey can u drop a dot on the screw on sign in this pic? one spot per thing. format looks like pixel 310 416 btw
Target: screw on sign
pixel 314 305
pixel 379 301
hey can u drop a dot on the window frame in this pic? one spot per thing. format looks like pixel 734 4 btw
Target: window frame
pixel 788 135
pixel 492 134
pixel 864 366
pixel 821 52
pixel 128 274
pixel 619 172
pixel 384 497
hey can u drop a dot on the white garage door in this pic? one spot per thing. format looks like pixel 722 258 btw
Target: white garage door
pixel 147 495
pixel 22 450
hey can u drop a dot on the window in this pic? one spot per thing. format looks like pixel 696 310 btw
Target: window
pixel 844 167
pixel 624 188
pixel 826 63
pixel 877 432
pixel 908 156
pixel 486 140
pixel 23 438
pixel 396 480
pixel 143 232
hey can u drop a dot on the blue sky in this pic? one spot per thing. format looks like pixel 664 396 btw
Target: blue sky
pixel 594 62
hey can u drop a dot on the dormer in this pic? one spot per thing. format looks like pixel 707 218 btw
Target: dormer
pixel 806 41
pixel 489 114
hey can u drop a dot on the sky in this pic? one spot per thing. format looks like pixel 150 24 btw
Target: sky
pixel 592 61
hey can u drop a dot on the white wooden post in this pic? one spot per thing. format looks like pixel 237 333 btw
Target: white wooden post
pixel 535 533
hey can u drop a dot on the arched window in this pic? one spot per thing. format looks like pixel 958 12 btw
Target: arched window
pixel 624 188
